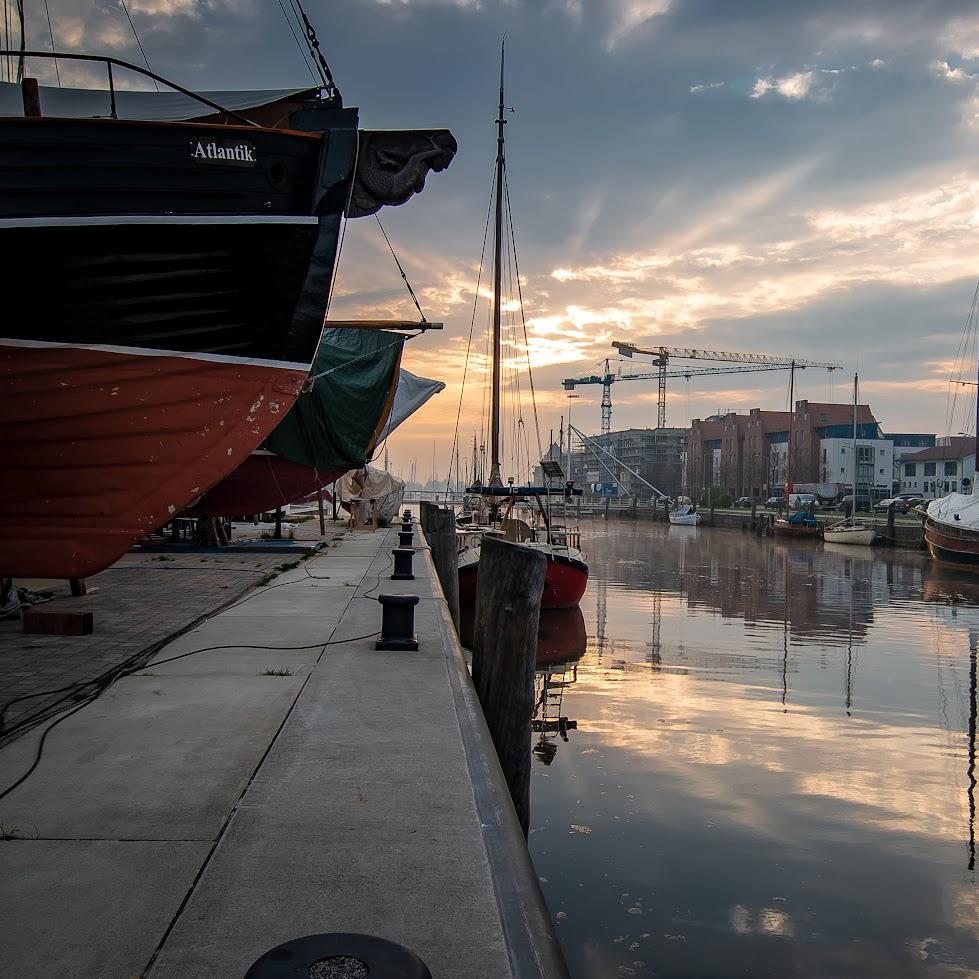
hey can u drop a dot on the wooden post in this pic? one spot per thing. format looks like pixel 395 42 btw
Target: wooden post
pixel 508 594
pixel 445 556
pixel 890 524
pixel 77 586
pixel 712 514
pixel 425 508
pixel 754 510
pixel 278 523
pixel 32 98
pixel 319 503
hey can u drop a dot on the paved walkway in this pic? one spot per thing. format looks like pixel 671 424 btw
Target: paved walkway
pixel 140 602
pixel 295 781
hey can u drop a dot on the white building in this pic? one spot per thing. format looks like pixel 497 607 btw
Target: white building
pixel 948 467
pixel 875 464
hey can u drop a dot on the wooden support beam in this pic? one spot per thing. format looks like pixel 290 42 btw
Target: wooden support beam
pixel 381 325
pixel 42 622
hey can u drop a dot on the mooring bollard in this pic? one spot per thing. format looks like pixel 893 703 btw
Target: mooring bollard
pixel 508 594
pixel 406 526
pixel 339 956
pixel 402 564
pixel 397 622
pixel 405 538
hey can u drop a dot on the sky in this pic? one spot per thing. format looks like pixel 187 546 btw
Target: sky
pixel 797 178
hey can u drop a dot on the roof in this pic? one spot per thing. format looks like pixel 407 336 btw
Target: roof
pixel 958 447
pixel 164 106
pixel 835 414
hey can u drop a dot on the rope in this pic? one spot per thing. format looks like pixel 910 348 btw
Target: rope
pixel 139 43
pixel 57 70
pixel 411 292
pixel 314 49
pixel 523 320
pixel 303 52
pixel 472 323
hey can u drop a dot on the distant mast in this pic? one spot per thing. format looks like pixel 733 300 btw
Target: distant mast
pixel 494 477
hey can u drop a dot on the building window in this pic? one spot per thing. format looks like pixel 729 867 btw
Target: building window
pixel 929 469
pixel 882 472
pixel 955 486
pixel 881 451
pixel 910 469
pixel 949 468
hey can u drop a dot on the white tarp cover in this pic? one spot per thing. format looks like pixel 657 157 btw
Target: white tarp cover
pixel 358 488
pixel 957 510
pixel 413 391
pixel 163 106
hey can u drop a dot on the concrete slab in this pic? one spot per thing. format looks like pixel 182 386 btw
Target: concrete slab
pixel 161 758
pixel 79 909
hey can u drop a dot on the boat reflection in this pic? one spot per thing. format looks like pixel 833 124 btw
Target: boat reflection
pixel 561 642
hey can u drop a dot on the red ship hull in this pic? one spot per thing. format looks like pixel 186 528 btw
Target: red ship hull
pixel 262 482
pixel 952 546
pixel 564 582
pixel 101 446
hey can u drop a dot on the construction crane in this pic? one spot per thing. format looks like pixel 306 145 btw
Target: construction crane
pixel 607 379
pixel 661 358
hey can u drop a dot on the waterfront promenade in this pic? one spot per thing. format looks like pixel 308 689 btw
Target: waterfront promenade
pixel 204 810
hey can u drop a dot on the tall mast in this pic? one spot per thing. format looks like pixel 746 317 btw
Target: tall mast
pixel 853 512
pixel 787 490
pixel 494 477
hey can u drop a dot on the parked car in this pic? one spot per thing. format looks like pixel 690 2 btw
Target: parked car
pixel 900 505
pixel 863 502
pixel 743 501
pixel 773 502
pixel 801 501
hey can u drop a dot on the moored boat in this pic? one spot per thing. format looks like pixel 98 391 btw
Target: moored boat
pixel 685 515
pixel 799 525
pixel 952 530
pixel 168 275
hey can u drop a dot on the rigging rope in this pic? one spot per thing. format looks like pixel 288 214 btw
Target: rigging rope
pixel 472 323
pixel 523 320
pixel 319 60
pixel 411 292
pixel 139 43
pixel 57 70
pixel 303 52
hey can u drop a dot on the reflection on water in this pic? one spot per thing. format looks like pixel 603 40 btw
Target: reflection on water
pixel 773 766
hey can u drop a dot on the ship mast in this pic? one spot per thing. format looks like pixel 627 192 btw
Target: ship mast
pixel 494 476
pixel 787 489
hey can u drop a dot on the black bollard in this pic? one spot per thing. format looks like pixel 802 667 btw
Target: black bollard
pixel 406 526
pixel 405 538
pixel 402 564
pixel 341 955
pixel 397 622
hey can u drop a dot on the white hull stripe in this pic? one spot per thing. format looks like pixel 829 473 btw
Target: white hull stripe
pixel 147 352
pixel 84 221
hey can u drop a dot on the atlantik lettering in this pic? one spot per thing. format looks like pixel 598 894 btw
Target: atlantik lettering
pixel 240 154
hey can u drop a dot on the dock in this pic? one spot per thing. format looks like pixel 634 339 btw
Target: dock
pixel 291 781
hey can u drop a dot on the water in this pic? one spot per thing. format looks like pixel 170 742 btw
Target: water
pixel 770 773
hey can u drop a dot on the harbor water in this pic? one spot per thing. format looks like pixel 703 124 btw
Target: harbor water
pixel 755 760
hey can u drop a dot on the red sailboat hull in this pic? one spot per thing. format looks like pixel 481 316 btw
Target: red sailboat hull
pixel 101 446
pixel 565 581
pixel 262 482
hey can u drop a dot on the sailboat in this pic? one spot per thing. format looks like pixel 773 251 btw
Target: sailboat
pixel 801 524
pixel 850 530
pixel 952 522
pixel 566 576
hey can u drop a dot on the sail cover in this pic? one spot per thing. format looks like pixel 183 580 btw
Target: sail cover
pixel 165 106
pixel 413 391
pixel 956 510
pixel 336 425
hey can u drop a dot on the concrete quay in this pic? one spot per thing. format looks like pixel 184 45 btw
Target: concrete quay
pixel 294 781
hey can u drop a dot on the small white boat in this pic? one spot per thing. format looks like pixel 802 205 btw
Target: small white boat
pixel 685 516
pixel 850 533
pixel 851 530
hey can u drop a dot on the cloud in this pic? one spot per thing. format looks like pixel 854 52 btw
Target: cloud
pixel 944 70
pixel 705 87
pixel 799 85
pixel 628 15
pixel 961 36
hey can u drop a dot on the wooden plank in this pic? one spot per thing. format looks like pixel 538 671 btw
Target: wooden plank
pixel 43 622
pixel 381 325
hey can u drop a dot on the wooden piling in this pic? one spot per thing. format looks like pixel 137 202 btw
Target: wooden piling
pixel 319 505
pixel 425 508
pixel 890 525
pixel 508 595
pixel 445 556
pixel 754 513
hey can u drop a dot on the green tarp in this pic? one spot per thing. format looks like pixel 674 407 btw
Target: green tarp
pixel 333 425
